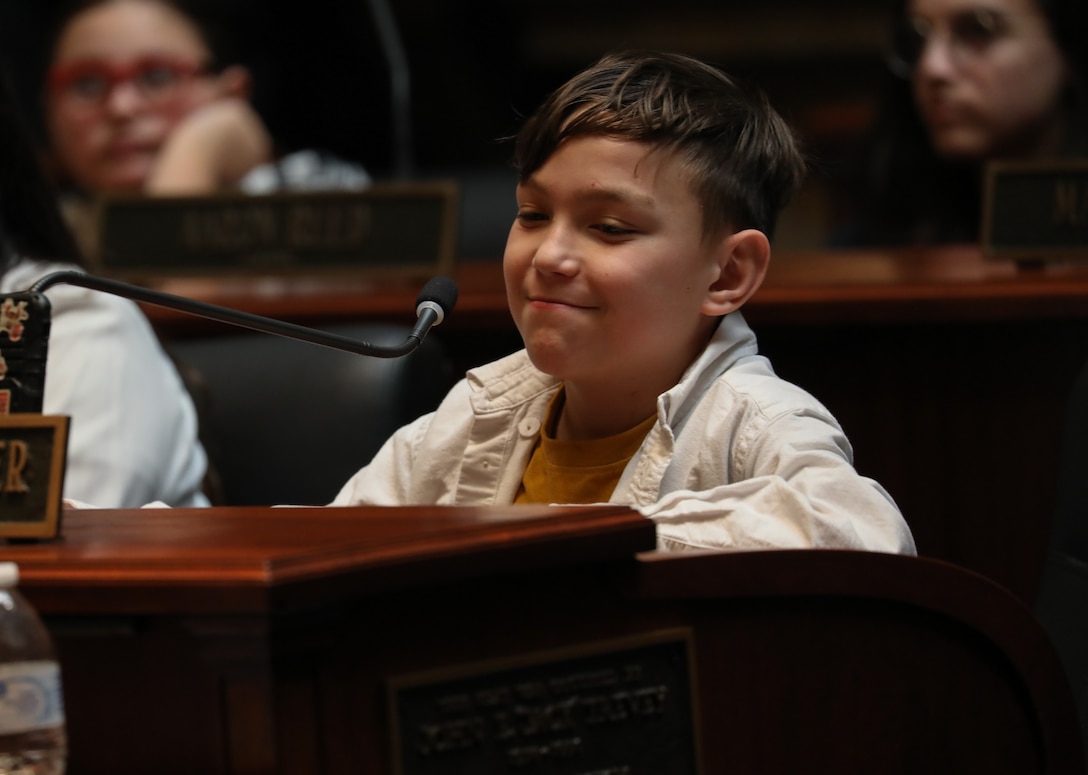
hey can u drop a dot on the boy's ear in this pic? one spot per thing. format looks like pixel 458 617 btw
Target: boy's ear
pixel 234 81
pixel 742 264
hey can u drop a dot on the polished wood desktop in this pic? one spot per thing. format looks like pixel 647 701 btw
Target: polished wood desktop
pixel 264 640
pixel 241 559
pixel 948 370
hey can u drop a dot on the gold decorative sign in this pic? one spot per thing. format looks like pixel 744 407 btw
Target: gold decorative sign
pixel 33 451
pixel 386 229
pixel 623 707
pixel 1036 210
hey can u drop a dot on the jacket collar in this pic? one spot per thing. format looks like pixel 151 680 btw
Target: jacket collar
pixel 513 380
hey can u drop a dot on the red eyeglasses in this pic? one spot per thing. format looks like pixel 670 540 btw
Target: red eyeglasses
pixel 89 82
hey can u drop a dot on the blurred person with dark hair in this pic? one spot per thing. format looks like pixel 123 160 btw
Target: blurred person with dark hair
pixel 971 81
pixel 146 96
pixel 133 436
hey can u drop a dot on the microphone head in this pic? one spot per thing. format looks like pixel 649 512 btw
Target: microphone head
pixel 440 290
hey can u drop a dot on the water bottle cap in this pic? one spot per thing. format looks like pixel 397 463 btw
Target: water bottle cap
pixel 9 574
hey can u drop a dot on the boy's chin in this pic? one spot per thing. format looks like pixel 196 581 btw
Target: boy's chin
pixel 549 359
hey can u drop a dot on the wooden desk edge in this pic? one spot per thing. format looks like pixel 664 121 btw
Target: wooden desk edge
pixel 232 559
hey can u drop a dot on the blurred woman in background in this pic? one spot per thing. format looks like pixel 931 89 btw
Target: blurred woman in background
pixel 971 81
pixel 133 435
pixel 146 96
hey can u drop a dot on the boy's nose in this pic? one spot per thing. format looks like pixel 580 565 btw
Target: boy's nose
pixel 556 252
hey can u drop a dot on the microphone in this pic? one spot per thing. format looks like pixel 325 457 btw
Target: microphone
pixel 434 301
pixel 433 304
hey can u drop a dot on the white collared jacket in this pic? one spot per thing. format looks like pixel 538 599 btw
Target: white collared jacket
pixel 738 457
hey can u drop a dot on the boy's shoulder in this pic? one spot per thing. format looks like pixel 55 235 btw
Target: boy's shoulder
pixel 755 381
pixel 732 381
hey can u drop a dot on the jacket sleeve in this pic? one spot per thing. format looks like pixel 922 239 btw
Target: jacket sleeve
pixel 790 483
pixel 386 479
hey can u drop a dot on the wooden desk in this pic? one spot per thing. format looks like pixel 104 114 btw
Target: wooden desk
pixel 954 283
pixel 308 640
pixel 948 371
pixel 938 285
pixel 182 633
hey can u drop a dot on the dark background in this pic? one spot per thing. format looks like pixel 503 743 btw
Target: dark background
pixel 477 66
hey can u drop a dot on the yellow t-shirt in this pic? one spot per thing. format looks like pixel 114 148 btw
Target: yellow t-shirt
pixel 577 471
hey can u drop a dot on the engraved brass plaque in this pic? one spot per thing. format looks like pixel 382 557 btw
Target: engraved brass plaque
pixel 33 450
pixel 1036 210
pixel 386 229
pixel 617 708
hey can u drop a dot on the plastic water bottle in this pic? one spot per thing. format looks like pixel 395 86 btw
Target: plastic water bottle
pixel 32 734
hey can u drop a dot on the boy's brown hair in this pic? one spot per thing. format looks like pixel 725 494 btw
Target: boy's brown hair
pixel 743 159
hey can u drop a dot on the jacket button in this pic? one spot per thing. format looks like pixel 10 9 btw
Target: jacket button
pixel 529 427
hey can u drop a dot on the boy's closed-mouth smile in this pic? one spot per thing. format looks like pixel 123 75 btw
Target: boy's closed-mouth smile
pixel 548 302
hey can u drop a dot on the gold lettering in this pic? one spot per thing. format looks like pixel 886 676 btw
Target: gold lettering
pixel 531 690
pixel 233 228
pixel 18 456
pixel 1070 203
pixel 537 754
pixel 457 735
pixel 643 702
pixel 330 227
pixel 506 727
pixel 492 697
pixel 550 717
pixel 357 226
pixel 304 226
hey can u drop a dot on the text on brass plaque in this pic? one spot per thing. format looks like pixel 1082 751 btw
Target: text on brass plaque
pixel 623 708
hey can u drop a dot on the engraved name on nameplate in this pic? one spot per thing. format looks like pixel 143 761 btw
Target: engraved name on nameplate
pixel 618 708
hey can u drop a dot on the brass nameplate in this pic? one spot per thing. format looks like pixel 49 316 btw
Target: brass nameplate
pixel 397 229
pixel 1036 210
pixel 622 707
pixel 33 452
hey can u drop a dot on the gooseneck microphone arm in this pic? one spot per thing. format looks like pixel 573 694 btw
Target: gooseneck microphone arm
pixel 434 302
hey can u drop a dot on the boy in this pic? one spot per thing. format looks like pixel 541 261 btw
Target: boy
pixel 648 186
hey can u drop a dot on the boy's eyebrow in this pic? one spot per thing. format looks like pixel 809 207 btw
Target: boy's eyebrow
pixel 619 194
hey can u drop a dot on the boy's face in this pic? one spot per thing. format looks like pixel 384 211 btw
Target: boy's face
pixel 607 272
